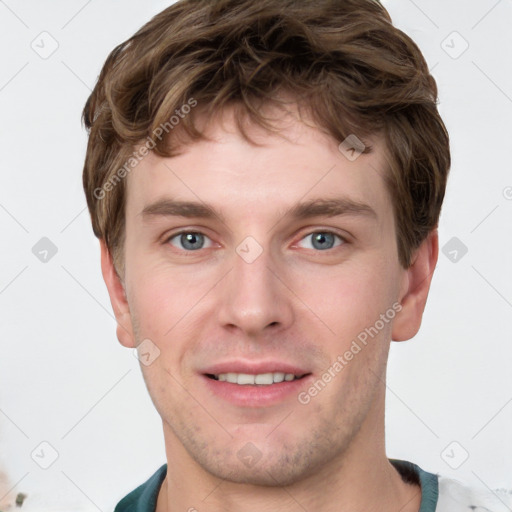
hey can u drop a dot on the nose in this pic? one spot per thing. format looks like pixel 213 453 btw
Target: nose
pixel 253 297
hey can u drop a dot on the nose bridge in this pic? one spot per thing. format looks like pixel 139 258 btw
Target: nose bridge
pixel 252 298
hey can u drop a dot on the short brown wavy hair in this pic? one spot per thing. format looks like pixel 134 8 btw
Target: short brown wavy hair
pixel 342 60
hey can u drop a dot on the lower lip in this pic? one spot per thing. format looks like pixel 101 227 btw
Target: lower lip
pixel 256 395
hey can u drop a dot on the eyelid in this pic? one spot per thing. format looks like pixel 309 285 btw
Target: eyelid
pixel 183 230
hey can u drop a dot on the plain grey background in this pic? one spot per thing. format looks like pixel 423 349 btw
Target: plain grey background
pixel 64 379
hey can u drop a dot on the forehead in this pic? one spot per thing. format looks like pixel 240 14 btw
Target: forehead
pixel 299 163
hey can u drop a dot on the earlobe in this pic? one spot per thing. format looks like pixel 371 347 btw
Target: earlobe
pixel 416 285
pixel 118 299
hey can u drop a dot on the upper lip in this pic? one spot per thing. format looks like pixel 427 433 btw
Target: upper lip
pixel 254 368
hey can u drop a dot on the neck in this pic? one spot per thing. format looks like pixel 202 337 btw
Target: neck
pixel 361 478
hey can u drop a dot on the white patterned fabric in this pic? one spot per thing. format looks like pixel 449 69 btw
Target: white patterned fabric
pixel 454 496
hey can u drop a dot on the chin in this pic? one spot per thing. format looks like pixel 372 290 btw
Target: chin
pixel 274 466
pixel 263 474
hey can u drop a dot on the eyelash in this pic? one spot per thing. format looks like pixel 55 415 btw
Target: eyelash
pixel 184 232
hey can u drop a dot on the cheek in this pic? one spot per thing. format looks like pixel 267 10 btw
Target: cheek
pixel 165 298
pixel 349 299
pixel 157 301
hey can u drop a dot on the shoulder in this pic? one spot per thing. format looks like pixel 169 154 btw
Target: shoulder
pixel 455 496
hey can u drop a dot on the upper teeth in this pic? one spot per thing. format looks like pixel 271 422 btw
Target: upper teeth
pixel 261 378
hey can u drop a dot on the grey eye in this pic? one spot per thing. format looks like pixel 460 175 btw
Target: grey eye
pixel 190 241
pixel 322 240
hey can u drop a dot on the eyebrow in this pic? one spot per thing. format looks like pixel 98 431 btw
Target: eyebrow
pixel 314 208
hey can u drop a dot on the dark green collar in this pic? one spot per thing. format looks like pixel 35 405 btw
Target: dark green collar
pixel 144 497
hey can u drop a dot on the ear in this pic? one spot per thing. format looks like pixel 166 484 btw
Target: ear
pixel 117 298
pixel 414 288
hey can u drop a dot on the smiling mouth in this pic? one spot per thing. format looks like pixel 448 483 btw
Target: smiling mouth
pixel 260 379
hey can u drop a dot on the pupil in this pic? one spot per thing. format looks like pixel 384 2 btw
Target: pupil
pixel 323 241
pixel 189 240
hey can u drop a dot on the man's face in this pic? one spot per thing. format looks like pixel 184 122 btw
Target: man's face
pixel 256 289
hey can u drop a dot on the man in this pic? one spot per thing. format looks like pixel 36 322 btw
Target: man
pixel 266 181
